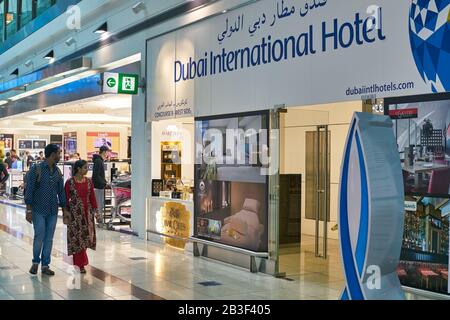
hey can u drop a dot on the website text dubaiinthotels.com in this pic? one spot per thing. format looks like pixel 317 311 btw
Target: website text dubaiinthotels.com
pixel 376 88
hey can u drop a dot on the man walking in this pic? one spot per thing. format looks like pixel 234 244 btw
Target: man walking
pixel 43 193
pixel 8 160
pixel 98 177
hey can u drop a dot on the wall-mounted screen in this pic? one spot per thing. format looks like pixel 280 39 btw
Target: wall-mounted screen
pixel 231 192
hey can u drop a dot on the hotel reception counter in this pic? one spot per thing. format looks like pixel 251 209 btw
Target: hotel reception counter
pixel 173 218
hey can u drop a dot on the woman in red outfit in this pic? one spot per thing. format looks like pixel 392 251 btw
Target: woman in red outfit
pixel 81 205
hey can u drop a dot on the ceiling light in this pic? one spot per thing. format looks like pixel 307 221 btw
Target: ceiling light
pixel 102 29
pixel 70 41
pixel 138 7
pixel 15 72
pixel 105 36
pixel 50 55
pixel 28 63
pixel 9 18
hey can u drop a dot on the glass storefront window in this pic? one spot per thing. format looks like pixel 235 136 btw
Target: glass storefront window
pixel 26 12
pixel 43 5
pixel 11 18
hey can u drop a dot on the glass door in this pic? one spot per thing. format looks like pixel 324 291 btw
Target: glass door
pixel 304 213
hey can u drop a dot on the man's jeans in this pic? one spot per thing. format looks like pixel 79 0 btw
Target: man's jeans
pixel 44 229
pixel 100 197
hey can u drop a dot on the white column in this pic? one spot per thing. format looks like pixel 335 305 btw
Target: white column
pixel 141 164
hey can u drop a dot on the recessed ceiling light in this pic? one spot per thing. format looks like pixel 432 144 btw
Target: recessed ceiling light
pixel 50 55
pixel 102 29
pixel 138 7
pixel 70 41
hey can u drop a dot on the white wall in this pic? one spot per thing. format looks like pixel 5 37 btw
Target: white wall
pixel 294 127
pixel 141 164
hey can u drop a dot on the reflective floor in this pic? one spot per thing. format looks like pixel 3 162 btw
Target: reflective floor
pixel 126 268
pixel 300 263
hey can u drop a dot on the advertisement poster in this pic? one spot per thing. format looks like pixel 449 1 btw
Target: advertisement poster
pixel 95 140
pixel 25 144
pixel 423 137
pixel 70 145
pixel 58 140
pixel 231 204
pixel 8 141
pixel 39 144
pixel 2 150
pixel 424 257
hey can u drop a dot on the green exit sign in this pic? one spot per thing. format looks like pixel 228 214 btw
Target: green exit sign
pixel 120 83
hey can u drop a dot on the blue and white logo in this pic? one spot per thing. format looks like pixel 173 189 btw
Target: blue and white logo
pixel 371 210
pixel 429 29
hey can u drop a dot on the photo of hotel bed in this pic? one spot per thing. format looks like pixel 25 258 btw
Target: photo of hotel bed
pixel 231 191
pixel 239 209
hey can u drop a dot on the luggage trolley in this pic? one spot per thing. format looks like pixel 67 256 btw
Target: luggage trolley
pixel 121 189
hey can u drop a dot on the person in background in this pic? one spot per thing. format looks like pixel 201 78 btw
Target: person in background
pixel 29 158
pixel 43 193
pixel 75 157
pixel 81 205
pixel 4 174
pixel 41 156
pixel 12 160
pixel 8 161
pixel 14 155
pixel 98 177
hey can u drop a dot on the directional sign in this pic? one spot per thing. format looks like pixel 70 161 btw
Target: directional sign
pixel 111 82
pixel 120 83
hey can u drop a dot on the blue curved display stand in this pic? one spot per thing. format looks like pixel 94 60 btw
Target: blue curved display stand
pixel 371 210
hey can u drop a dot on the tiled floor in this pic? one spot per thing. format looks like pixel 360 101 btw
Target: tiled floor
pixel 159 273
pixel 324 277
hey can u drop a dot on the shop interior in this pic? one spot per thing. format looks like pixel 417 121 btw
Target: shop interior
pixel 312 143
pixel 80 128
pixel 173 157
pixel 172 185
